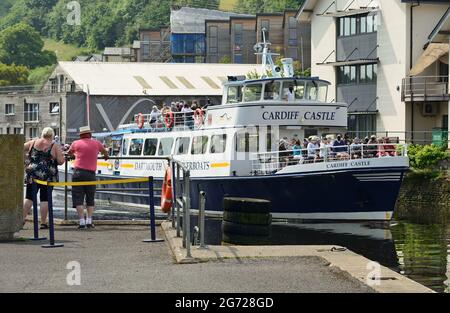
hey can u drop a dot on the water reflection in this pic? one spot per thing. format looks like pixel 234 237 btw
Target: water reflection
pixel 420 252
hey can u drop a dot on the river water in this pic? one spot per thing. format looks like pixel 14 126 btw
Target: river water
pixel 420 252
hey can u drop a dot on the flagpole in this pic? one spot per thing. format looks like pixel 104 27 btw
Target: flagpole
pixel 88 107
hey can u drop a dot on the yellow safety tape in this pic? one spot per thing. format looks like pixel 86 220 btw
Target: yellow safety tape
pixel 92 183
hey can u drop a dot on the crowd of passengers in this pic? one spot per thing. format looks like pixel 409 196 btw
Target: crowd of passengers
pixel 315 150
pixel 183 113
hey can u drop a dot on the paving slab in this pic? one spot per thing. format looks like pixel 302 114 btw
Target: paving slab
pixel 114 259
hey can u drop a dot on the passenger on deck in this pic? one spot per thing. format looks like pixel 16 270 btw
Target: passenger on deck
pixel 371 149
pixel 340 148
pixel 325 149
pixel 356 149
pixel 188 116
pixel 296 151
pixel 389 148
pixel 313 149
pixel 154 116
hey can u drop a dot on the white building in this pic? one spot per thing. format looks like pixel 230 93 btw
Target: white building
pixel 388 59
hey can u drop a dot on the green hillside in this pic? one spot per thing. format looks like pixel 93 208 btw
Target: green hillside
pixel 63 51
pixel 227 5
pixel 113 22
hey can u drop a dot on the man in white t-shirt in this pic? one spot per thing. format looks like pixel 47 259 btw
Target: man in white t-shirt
pixel 289 95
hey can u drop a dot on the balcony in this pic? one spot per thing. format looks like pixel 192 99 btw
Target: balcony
pixel 425 88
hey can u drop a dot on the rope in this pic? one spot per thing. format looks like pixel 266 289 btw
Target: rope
pixel 92 183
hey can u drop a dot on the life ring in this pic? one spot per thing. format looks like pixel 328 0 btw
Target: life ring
pixel 168 119
pixel 199 117
pixel 166 193
pixel 140 120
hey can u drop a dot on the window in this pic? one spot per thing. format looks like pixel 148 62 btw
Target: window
pixel 272 91
pixel 346 75
pixel 182 145
pixel 218 143
pixel 234 94
pixel 54 85
pixel 165 146
pixel 247 141
pixel 136 146
pixel 9 109
pixel 298 88
pixel 252 92
pixel 357 24
pixel 150 146
pixel 31 112
pixel 125 146
pixel 213 42
pixel 33 132
pixel 368 74
pixel 265 25
pixel 199 145
pixel 56 131
pixel 18 131
pixel 54 107
pixel 362 125
pixel 316 91
pixel 237 35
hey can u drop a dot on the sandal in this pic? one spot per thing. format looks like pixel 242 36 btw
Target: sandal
pixel 43 226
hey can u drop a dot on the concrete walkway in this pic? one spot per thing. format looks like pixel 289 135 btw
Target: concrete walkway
pixel 113 259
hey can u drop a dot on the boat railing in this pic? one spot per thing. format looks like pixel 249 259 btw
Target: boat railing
pixel 168 120
pixel 267 163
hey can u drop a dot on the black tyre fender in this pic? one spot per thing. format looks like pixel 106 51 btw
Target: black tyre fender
pixel 245 230
pixel 246 205
pixel 247 218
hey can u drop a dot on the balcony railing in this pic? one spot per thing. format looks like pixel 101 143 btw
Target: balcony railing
pixel 39 89
pixel 425 88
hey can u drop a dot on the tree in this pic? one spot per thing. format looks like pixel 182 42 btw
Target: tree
pixel 12 75
pixel 22 45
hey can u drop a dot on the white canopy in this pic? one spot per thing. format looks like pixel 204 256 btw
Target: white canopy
pixel 434 52
pixel 157 79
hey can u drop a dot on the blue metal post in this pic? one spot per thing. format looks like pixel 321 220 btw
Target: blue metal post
pixel 51 225
pixel 151 200
pixel 35 213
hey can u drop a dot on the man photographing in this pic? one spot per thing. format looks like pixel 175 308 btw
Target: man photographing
pixel 85 151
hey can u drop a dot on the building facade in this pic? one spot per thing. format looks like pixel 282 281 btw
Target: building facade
pixel 368 54
pixel 107 94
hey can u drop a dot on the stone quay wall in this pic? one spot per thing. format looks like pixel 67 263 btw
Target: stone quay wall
pixel 11 185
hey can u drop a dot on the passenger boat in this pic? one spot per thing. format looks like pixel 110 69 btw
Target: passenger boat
pixel 232 149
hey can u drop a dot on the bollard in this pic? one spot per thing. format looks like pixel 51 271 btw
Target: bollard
pixel 201 217
pixel 174 192
pixel 35 214
pixel 51 229
pixel 66 169
pixel 178 187
pixel 187 230
pixel 151 200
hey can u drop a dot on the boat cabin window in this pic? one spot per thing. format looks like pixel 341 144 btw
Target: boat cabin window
pixel 293 90
pixel 136 146
pixel 247 141
pixel 150 146
pixel 125 146
pixel 218 143
pixel 116 147
pixel 199 145
pixel 252 92
pixel 316 91
pixel 165 146
pixel 182 145
pixel 234 94
pixel 272 91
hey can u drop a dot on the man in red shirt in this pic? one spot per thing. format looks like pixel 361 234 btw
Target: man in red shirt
pixel 86 151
